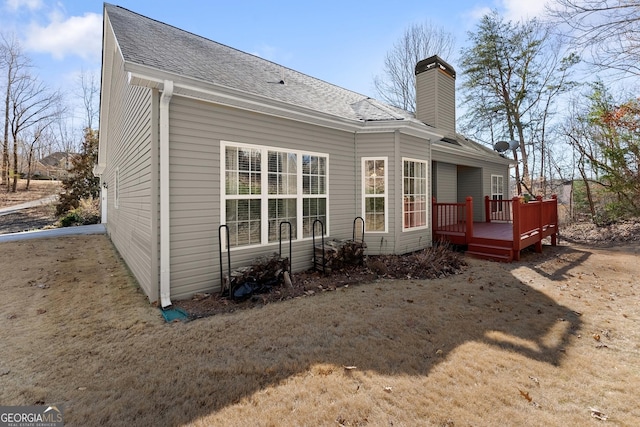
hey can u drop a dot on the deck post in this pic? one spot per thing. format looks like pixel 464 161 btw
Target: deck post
pixel 538 245
pixel 487 209
pixel 469 219
pixel 515 209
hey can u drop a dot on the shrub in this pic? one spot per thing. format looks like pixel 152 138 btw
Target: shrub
pixel 87 212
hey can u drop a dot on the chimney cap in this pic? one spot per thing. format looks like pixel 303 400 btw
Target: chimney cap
pixel 435 62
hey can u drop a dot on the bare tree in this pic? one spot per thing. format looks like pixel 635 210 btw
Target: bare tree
pixel 32 106
pixel 13 63
pixel 397 84
pixel 607 31
pixel 31 144
pixel 90 91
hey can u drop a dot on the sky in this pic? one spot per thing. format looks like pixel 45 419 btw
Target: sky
pixel 341 42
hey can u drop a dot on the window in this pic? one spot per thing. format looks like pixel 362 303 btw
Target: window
pixel 314 182
pixel 374 193
pixel 243 206
pixel 283 182
pixel 414 191
pixel 497 192
pixel 265 187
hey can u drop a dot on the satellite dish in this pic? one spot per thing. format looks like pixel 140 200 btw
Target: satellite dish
pixel 513 144
pixel 502 146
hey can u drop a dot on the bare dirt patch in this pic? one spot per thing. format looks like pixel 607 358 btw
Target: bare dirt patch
pixel 550 340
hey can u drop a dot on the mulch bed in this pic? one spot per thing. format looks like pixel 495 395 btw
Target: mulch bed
pixel 431 263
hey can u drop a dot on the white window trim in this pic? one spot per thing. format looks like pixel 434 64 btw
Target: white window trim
pixel 264 195
pixel 502 185
pixel 363 161
pixel 427 201
pixel 501 178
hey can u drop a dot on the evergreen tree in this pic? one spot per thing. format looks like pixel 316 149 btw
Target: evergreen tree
pixel 81 183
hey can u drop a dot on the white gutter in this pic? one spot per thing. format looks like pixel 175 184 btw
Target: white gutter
pixel 165 230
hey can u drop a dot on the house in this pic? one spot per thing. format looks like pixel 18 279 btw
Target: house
pixel 195 134
pixel 55 165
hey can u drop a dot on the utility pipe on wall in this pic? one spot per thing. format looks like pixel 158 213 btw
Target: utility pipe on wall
pixel 165 230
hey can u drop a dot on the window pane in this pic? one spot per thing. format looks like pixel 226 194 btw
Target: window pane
pixel 281 210
pixel 243 220
pixel 282 173
pixel 312 209
pixel 231 158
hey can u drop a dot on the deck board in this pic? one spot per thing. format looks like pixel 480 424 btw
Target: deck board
pixel 493 230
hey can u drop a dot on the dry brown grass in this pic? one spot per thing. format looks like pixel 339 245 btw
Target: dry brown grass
pixel 538 342
pixel 37 190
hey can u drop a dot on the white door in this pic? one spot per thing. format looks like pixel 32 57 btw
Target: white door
pixel 103 205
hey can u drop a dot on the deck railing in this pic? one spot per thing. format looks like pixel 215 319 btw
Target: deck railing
pixel 532 221
pixel 497 210
pixel 453 219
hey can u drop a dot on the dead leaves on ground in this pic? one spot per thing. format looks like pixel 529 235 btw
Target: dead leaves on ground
pixel 595 413
pixel 528 398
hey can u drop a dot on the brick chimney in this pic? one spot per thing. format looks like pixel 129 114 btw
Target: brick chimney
pixel 436 95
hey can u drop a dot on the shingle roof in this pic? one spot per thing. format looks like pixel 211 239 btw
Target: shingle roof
pixel 151 43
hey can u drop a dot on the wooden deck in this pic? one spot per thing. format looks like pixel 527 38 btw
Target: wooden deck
pixel 510 226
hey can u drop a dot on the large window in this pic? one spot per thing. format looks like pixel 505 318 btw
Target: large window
pixel 265 187
pixel 374 193
pixel 414 190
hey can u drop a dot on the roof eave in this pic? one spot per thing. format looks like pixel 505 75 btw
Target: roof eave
pixel 447 148
pixel 192 88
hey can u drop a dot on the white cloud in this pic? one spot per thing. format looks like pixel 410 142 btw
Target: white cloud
pixel 516 10
pixel 511 10
pixel 29 4
pixel 76 35
pixel 477 13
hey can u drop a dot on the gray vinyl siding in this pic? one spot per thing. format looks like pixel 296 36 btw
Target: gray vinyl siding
pixel 435 100
pixel 196 131
pixel 412 240
pixel 378 145
pixel 128 148
pixel 473 178
pixel 445 182
pixel 470 183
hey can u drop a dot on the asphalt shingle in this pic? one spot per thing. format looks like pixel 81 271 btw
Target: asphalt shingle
pixel 154 44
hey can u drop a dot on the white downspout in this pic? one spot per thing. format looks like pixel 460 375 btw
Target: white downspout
pixel 165 230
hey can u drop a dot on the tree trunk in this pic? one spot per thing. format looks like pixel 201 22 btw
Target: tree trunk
pixel 14 186
pixel 29 167
pixel 5 140
pixel 587 187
